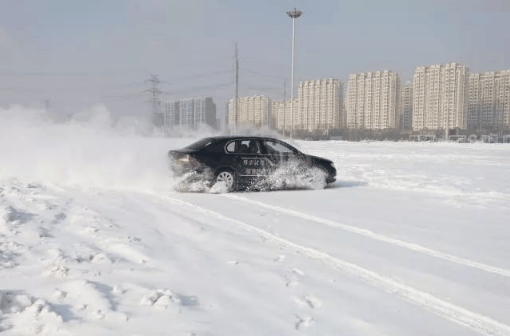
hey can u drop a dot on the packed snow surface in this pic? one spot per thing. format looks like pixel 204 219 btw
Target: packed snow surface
pixel 412 239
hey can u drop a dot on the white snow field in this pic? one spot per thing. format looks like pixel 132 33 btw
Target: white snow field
pixel 412 239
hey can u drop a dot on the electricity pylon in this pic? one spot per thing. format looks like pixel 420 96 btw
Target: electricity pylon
pixel 154 101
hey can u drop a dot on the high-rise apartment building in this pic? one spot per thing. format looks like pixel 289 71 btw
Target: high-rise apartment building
pixel 372 100
pixel 280 113
pixel 319 105
pixel 171 115
pixel 191 113
pixel 406 106
pixel 204 112
pixel 186 112
pixel 440 97
pixel 489 100
pixel 251 112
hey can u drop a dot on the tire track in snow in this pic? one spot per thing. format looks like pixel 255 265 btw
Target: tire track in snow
pixel 474 321
pixel 376 236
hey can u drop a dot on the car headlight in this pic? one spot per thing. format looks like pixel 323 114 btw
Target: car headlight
pixel 184 159
pixel 332 164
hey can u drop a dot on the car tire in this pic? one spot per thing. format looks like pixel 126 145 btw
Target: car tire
pixel 228 176
pixel 319 181
pixel 325 178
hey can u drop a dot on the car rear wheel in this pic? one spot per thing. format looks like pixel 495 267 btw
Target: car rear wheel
pixel 227 177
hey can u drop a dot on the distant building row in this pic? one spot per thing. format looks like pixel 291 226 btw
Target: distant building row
pixel 188 113
pixel 438 97
pixel 447 96
pixel 372 102
pixel 318 107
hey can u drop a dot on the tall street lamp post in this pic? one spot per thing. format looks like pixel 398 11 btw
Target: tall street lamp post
pixel 294 15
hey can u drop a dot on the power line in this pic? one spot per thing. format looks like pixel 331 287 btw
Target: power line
pixel 22 89
pixel 264 62
pixel 215 87
pixel 276 78
pixel 68 74
pixel 202 75
pixel 117 87
pixel 121 98
pixel 279 90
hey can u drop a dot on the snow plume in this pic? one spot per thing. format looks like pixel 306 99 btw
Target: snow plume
pixel 87 150
pixel 263 131
pixel 193 182
pixel 288 176
pixel 90 149
pixel 292 176
pixel 202 131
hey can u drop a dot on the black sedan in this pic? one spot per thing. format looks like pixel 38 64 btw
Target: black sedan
pixel 241 161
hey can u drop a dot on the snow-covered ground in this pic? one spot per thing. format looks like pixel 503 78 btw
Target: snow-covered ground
pixel 412 239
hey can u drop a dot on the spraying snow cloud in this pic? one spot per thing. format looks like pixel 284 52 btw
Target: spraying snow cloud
pixel 88 150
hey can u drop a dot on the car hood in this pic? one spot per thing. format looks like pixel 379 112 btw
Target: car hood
pixel 318 158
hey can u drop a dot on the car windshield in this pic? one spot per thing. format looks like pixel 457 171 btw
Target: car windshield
pixel 200 144
pixel 279 147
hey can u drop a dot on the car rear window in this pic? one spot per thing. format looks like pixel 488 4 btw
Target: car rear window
pixel 200 144
pixel 231 147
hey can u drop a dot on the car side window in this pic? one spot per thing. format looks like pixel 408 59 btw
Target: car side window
pixel 248 147
pixel 231 147
pixel 274 147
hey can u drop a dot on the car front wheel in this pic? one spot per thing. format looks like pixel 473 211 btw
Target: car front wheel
pixel 316 178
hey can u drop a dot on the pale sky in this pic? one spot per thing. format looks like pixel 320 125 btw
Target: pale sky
pixel 77 53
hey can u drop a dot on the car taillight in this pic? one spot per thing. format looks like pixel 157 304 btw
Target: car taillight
pixel 184 159
pixel 187 159
pixel 194 163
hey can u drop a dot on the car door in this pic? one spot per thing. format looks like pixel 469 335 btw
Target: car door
pixel 252 162
pixel 228 158
pixel 280 153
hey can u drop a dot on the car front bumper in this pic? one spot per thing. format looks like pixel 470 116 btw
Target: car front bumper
pixel 331 175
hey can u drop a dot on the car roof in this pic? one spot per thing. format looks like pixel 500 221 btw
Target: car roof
pixel 232 137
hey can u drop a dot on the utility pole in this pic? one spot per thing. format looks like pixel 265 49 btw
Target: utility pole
pixel 284 106
pixel 294 15
pixel 237 90
pixel 154 101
